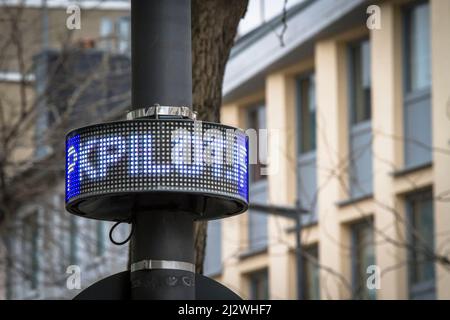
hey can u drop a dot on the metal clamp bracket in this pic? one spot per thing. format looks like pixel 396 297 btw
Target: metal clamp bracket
pixel 162 264
pixel 157 111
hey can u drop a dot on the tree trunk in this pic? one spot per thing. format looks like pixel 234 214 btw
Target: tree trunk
pixel 214 27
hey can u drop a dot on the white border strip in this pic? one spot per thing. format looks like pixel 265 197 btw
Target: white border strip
pixel 162 264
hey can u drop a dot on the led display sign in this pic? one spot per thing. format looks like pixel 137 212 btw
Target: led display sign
pixel 149 155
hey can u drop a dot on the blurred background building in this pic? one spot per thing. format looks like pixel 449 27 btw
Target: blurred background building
pixel 356 103
pixel 364 130
pixel 54 79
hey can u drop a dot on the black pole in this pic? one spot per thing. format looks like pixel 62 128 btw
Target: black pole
pixel 161 74
pixel 161 53
pixel 162 236
pixel 299 257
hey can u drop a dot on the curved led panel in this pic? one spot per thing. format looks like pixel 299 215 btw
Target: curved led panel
pixel 114 168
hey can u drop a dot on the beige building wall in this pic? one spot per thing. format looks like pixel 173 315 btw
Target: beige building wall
pixel 12 97
pixel 236 265
pixel 28 35
pixel 440 44
pixel 390 184
pixel 387 122
pixel 330 149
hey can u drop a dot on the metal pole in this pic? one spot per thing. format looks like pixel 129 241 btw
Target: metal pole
pixel 162 245
pixel 167 240
pixel 161 53
pixel 299 257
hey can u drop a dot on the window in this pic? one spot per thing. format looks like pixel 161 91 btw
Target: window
pixel 417 51
pixel 8 268
pixel 43 114
pixel 363 256
pixel 306 91
pixel 100 230
pixel 257 231
pixel 213 254
pixel 256 119
pixel 30 250
pixel 417 83
pixel 259 285
pixel 311 273
pixel 360 84
pixel 421 236
pixel 257 222
pixel 106 34
pixel 62 233
pixel 124 35
pixel 360 139
pixel 73 249
pixel 115 36
pixel 306 145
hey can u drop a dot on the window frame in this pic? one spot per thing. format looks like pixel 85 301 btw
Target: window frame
pixel 73 234
pixel 255 108
pixel 314 248
pixel 25 291
pixel 308 75
pixel 107 38
pixel 425 288
pixel 410 97
pixel 406 10
pixel 9 288
pixel 360 128
pixel 306 158
pixel 350 47
pixel 355 228
pixel 258 188
pixel 120 39
pixel 258 275
pixel 100 245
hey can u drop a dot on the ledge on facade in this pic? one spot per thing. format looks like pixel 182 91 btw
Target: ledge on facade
pixel 354 200
pixel 252 252
pixel 254 35
pixel 405 171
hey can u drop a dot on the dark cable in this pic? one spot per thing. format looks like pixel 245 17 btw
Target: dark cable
pixel 121 242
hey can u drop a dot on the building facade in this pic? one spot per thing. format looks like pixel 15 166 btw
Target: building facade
pixel 44 250
pixel 356 107
pixel 355 103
